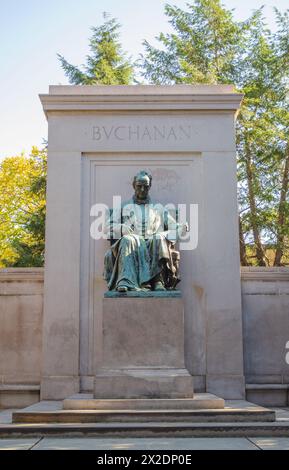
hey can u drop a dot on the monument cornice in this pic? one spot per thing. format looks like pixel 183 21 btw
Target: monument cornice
pixel 141 98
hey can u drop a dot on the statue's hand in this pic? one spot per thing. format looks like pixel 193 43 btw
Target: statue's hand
pixel 184 229
pixel 126 229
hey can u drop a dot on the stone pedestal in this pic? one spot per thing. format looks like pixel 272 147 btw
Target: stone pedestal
pixel 143 350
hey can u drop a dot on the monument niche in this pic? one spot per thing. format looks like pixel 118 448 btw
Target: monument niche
pixel 143 338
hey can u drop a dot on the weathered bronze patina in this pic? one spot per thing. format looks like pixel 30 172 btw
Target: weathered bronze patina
pixel 143 234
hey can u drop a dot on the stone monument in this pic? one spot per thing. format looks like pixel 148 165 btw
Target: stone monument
pixel 100 137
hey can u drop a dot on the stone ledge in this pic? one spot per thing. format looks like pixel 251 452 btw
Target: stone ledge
pixel 105 90
pixel 252 273
pixel 18 395
pixel 22 274
pixel 267 386
pixel 145 416
pixel 141 97
pixel 19 388
pixel 143 384
pixel 144 294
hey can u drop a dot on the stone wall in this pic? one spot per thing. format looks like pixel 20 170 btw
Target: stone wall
pixel 265 299
pixel 265 308
pixel 21 305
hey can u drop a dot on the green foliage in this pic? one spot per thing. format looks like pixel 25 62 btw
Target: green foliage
pixel 262 134
pixel 106 64
pixel 202 48
pixel 209 46
pixel 22 210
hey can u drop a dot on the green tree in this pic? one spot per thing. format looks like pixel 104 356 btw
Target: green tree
pixel 262 137
pixel 281 42
pixel 22 210
pixel 201 49
pixel 209 46
pixel 107 63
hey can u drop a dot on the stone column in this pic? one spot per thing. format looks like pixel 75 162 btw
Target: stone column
pixel 60 365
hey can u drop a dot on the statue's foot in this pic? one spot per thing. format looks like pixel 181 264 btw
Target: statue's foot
pixel 159 286
pixel 122 289
pixel 146 287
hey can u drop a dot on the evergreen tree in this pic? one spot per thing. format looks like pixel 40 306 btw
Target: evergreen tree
pixel 209 46
pixel 106 64
pixel 262 137
pixel 201 49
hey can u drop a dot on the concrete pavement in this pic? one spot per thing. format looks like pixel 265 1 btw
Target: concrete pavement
pixel 122 444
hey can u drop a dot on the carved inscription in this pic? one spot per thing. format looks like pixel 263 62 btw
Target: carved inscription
pixel 141 133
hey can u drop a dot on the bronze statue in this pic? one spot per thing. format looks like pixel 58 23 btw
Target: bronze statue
pixel 142 256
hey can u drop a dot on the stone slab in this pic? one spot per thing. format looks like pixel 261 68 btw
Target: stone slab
pixel 142 90
pixel 143 350
pixel 266 325
pixel 145 444
pixel 200 401
pixel 143 383
pixel 143 333
pixel 144 416
pixel 140 412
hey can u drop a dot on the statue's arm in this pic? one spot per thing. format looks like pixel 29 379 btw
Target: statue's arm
pixel 175 230
pixel 113 228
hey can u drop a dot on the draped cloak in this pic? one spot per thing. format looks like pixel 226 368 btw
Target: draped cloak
pixel 137 258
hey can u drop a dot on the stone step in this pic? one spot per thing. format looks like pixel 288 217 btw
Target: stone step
pixel 119 430
pixel 258 414
pixel 200 401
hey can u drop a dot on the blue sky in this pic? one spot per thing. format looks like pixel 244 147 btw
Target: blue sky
pixel 32 32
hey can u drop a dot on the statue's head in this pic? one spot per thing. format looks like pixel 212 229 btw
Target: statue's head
pixel 141 184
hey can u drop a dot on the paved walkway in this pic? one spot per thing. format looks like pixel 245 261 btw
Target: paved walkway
pixel 197 443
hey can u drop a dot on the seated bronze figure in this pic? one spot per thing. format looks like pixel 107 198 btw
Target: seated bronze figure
pixel 143 235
